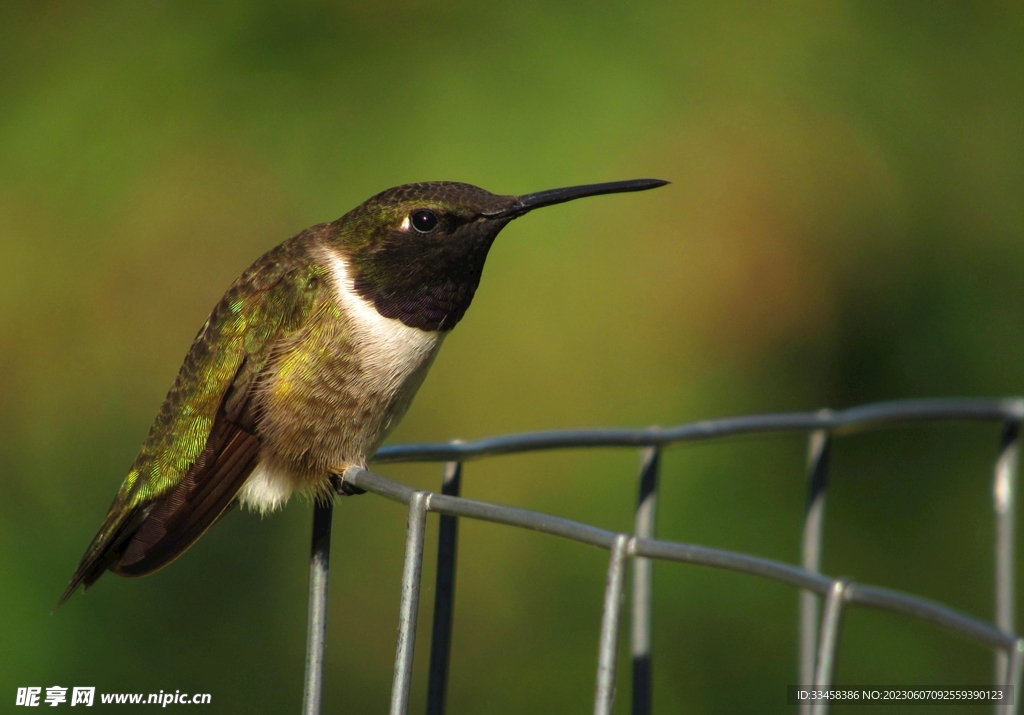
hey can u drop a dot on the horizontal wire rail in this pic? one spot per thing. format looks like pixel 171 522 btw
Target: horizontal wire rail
pixel 856 419
pixel 819 637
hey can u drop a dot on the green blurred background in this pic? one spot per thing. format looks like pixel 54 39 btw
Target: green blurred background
pixel 844 225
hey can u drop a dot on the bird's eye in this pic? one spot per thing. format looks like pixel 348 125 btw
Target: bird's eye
pixel 424 221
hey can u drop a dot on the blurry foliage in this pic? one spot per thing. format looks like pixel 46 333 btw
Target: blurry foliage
pixel 844 225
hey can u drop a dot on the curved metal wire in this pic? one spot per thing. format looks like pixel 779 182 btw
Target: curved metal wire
pixel 819 643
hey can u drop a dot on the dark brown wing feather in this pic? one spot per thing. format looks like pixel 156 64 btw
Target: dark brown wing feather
pixel 150 537
pixel 139 541
pixel 106 547
pixel 190 508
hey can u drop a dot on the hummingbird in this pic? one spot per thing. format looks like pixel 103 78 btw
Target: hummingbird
pixel 306 364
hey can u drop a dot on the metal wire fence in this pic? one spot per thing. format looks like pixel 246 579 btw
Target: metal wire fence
pixel 819 637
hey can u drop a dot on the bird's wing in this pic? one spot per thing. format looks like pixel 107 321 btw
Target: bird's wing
pixel 203 444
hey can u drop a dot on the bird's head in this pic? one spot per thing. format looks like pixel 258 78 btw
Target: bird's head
pixel 417 251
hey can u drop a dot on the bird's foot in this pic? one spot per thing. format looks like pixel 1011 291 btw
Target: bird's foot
pixel 346 489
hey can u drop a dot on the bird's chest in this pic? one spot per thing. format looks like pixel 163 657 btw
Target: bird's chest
pixel 343 382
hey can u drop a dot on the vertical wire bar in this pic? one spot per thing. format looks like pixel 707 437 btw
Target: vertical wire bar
pixel 643 575
pixel 1012 679
pixel 410 603
pixel 818 450
pixel 316 629
pixel 604 697
pixel 444 595
pixel 1004 503
pixel 828 644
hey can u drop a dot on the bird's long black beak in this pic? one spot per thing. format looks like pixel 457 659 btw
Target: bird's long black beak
pixel 529 202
